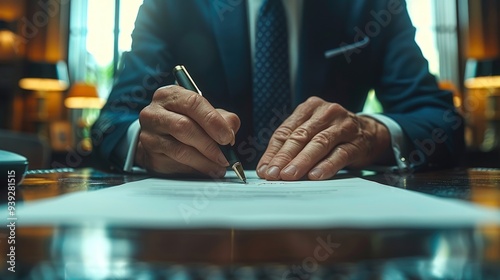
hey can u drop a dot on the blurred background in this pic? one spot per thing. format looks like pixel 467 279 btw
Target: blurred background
pixel 58 59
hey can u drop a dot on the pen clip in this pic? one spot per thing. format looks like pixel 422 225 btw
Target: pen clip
pixel 347 48
pixel 185 79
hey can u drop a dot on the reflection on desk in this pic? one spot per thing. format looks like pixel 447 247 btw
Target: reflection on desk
pixel 104 252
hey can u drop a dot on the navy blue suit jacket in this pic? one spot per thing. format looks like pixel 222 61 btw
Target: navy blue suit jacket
pixel 211 38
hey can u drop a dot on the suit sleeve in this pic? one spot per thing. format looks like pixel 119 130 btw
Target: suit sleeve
pixel 410 96
pixel 143 70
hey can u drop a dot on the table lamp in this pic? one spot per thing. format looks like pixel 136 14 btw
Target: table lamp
pixel 43 77
pixel 482 79
pixel 482 73
pixel 84 104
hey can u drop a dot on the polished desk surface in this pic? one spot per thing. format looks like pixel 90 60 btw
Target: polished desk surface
pixel 106 252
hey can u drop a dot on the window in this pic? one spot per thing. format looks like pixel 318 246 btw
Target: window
pixel 436 34
pixel 422 16
pixel 436 24
pixel 95 44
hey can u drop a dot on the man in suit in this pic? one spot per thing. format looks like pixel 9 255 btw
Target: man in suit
pixel 289 109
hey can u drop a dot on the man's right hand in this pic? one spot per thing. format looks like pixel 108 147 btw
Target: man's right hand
pixel 180 133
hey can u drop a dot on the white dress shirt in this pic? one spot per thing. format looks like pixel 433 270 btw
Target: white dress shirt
pixel 293 10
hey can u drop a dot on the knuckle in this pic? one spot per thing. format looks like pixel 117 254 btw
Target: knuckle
pixel 301 135
pixel 154 143
pixel 180 154
pixel 234 121
pixel 166 93
pixel 145 115
pixel 231 119
pixel 282 133
pixel 146 139
pixel 212 117
pixel 323 139
pixel 333 109
pixel 314 100
pixel 150 115
pixel 159 94
pixel 282 157
pixel 211 149
pixel 329 113
pixel 180 125
pixel 342 154
pixel 308 158
pixel 349 127
pixel 310 104
pixel 330 165
pixel 192 102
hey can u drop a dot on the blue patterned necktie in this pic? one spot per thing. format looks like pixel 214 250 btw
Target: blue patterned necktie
pixel 271 72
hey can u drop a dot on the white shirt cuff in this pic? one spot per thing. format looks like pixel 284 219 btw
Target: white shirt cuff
pixel 127 147
pixel 398 141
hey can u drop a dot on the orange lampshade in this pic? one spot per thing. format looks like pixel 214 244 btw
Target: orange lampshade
pixel 83 95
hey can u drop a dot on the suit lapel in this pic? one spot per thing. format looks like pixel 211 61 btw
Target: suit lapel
pixel 230 27
pixel 323 28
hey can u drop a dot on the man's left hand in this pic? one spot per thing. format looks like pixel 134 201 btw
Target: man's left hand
pixel 321 138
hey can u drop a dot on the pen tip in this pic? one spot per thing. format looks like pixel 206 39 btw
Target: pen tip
pixel 238 169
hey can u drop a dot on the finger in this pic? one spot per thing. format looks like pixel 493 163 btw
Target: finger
pixel 196 107
pixel 340 157
pixel 178 153
pixel 314 151
pixel 320 129
pixel 323 116
pixel 286 148
pixel 275 143
pixel 278 139
pixel 183 129
pixel 318 147
pixel 232 119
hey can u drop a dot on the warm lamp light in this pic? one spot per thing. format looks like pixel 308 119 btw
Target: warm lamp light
pixel 82 96
pixel 44 76
pixel 482 74
pixel 7 41
pixel 84 104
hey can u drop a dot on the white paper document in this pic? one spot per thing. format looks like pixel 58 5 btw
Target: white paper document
pixel 260 204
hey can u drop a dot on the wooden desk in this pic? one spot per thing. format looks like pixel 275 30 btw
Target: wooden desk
pixel 104 252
